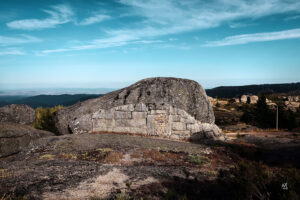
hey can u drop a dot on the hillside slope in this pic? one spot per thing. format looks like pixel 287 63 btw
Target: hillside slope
pixel 235 91
pixel 51 100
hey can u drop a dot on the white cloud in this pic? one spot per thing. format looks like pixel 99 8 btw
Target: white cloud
pixel 173 17
pixel 21 39
pixel 292 18
pixel 11 52
pixel 59 14
pixel 93 19
pixel 256 37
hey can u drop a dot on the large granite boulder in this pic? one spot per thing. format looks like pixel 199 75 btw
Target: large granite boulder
pixel 17 113
pixel 166 107
pixel 15 137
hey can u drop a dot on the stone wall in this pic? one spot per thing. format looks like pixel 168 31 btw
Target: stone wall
pixel 252 99
pixel 152 120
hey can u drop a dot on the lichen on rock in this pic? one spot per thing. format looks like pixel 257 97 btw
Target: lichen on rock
pixel 17 113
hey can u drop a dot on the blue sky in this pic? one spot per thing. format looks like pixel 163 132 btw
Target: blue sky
pixel 90 44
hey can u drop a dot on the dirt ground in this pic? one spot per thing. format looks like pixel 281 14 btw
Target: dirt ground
pixel 265 134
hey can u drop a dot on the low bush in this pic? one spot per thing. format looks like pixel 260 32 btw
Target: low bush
pixel 197 159
pixel 254 180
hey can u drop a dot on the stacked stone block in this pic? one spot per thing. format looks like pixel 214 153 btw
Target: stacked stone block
pixel 152 120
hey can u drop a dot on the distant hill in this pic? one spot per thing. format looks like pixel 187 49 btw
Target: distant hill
pixel 3 103
pixel 235 91
pixel 48 100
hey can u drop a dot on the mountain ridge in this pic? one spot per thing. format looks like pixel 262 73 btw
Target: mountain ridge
pixel 49 100
pixel 235 91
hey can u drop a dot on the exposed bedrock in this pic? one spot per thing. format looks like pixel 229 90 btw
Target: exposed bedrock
pixel 165 107
pixel 15 137
pixel 17 113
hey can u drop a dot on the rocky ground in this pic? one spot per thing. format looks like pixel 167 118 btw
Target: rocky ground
pixel 97 166
pixel 110 166
pixel 273 147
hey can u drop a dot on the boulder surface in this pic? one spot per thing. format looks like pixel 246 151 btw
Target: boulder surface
pixel 15 137
pixel 167 107
pixel 17 113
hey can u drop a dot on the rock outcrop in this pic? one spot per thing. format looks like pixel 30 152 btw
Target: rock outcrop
pixel 292 103
pixel 165 107
pixel 251 99
pixel 216 102
pixel 293 98
pixel 244 99
pixel 17 113
pixel 15 137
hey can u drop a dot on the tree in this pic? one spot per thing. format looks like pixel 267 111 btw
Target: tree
pixel 44 118
pixel 263 114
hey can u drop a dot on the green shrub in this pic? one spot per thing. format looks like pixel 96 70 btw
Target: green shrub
pixel 44 118
pixel 197 159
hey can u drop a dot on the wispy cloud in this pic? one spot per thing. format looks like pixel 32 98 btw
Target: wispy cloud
pixel 255 37
pixel 156 18
pixel 172 17
pixel 93 19
pixel 21 39
pixel 11 52
pixel 116 41
pixel 59 14
pixel 240 25
pixel 292 18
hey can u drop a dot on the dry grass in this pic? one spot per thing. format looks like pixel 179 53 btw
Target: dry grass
pixel 113 157
pixel 122 196
pixel 174 156
pixel 104 150
pixel 5 173
pixel 166 157
pixel 136 155
pixel 68 156
pixel 154 155
pixel 47 157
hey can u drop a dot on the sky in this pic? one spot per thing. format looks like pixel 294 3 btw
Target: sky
pixel 113 43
